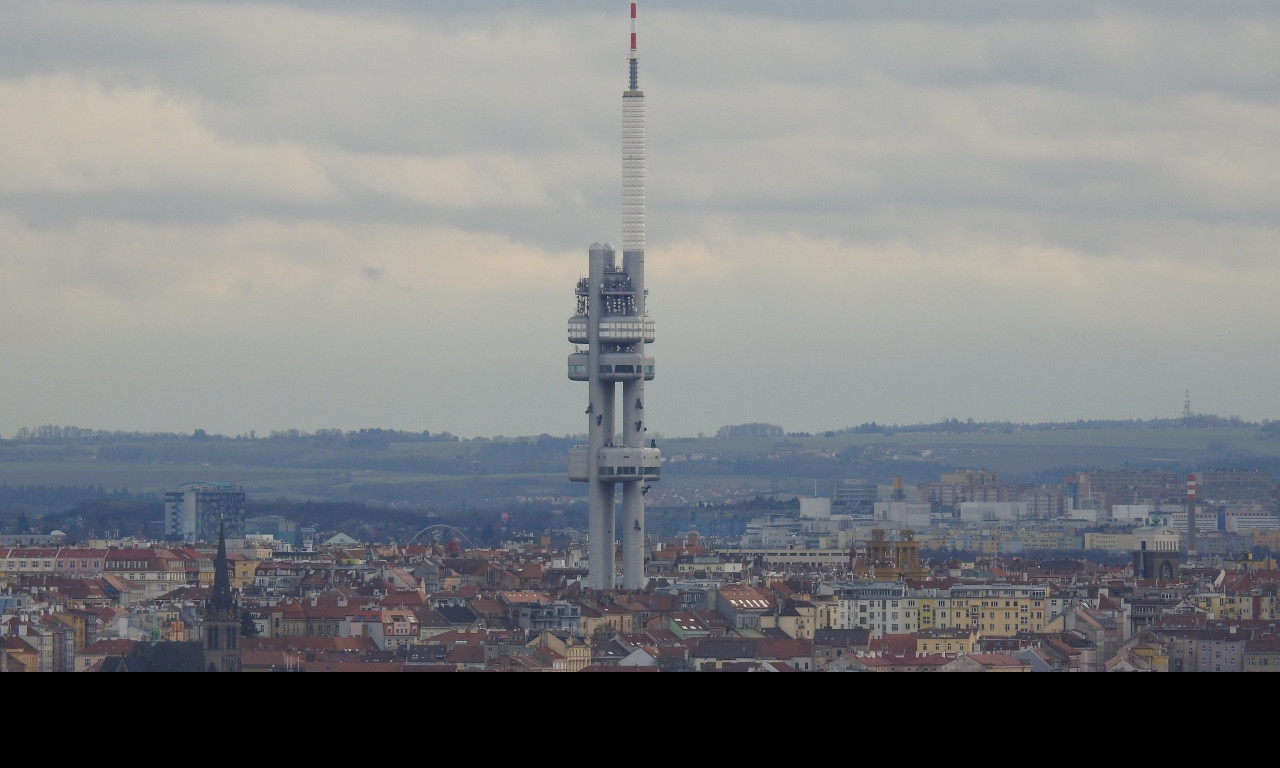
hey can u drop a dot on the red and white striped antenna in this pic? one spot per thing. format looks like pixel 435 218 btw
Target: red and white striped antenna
pixel 633 30
pixel 633 58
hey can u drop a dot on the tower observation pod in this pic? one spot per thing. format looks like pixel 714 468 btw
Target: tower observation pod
pixel 612 323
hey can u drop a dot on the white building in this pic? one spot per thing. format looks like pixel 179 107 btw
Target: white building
pixel 904 515
pixel 197 511
pixel 989 511
pixel 1131 513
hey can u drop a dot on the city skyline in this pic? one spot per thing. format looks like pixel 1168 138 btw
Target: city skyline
pixel 264 216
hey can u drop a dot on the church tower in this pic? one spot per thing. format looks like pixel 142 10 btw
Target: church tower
pixel 221 617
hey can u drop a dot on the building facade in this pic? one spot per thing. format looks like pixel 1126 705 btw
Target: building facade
pixel 198 511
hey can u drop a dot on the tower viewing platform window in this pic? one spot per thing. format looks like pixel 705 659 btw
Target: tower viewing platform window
pixel 618 463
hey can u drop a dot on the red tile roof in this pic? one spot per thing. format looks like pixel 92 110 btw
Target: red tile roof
pixel 350 644
pixel 784 649
pixel 996 660
pixel 893 645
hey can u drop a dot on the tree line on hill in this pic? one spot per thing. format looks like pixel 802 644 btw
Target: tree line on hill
pixel 381 439
pixel 483 473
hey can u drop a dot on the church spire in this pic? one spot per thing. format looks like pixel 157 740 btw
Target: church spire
pixel 221 599
pixel 222 616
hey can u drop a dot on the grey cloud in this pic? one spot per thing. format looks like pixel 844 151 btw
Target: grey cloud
pixel 882 211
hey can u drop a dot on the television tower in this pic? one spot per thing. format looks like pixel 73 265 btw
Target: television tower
pixel 613 323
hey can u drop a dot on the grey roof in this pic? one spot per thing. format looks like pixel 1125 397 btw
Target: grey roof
pixel 160 657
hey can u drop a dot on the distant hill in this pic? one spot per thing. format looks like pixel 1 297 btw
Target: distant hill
pixel 58 467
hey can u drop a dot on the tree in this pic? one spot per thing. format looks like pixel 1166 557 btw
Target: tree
pixel 601 635
pixel 248 627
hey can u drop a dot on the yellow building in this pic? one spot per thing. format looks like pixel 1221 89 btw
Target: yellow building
pixel 945 642
pixel 1110 542
pixel 1225 607
pixel 1000 610
pixel 17 655
pixel 799 620
pixel 608 619
pixel 828 611
pixel 314 617
pixel 1266 538
pixel 243 571
pixel 936 613
pixel 1152 657
pixel 76 621
pixel 576 651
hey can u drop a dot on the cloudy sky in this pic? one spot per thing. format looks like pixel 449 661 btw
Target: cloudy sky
pixel 242 216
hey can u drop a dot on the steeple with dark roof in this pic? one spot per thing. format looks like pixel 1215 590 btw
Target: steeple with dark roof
pixel 222 616
pixel 221 599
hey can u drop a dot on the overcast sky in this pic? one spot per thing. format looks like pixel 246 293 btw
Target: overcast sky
pixel 241 216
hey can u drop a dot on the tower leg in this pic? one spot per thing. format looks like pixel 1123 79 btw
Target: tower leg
pixel 633 493
pixel 633 536
pixel 602 536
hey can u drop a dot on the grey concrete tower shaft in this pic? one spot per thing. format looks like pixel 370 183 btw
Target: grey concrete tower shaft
pixel 612 320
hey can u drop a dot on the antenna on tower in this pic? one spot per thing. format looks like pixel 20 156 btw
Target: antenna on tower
pixel 633 58
pixel 1186 406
